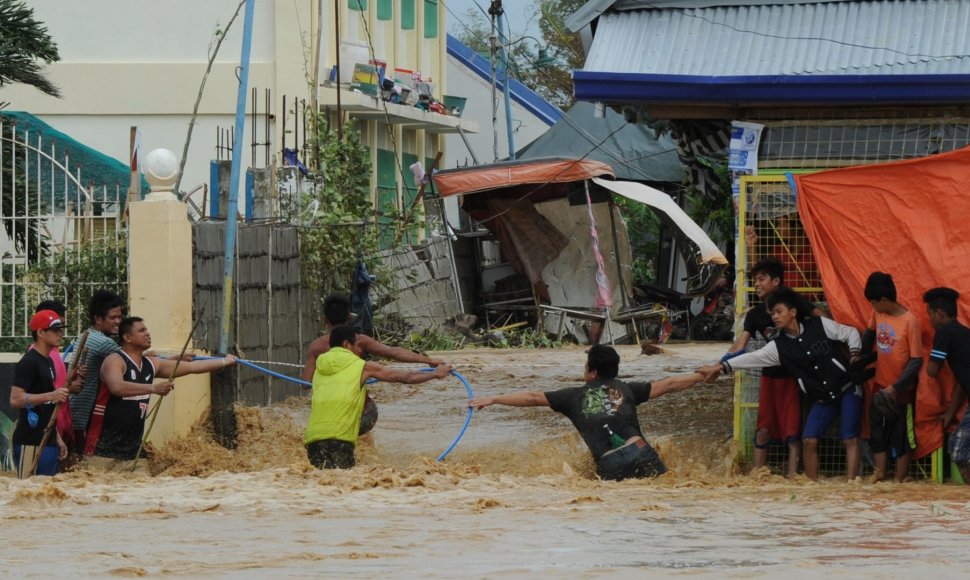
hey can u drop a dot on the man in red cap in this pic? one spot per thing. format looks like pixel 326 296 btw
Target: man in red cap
pixel 34 394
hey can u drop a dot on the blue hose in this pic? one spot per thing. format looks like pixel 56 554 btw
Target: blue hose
pixel 305 384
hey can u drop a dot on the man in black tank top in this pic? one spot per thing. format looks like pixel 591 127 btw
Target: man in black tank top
pixel 127 384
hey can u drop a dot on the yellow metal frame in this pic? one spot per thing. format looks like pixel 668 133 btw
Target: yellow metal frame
pixel 743 289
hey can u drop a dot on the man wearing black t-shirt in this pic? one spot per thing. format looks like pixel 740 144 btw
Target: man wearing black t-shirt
pixel 604 410
pixel 951 345
pixel 34 394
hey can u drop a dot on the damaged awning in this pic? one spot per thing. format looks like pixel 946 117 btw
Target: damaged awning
pixel 509 174
pixel 664 204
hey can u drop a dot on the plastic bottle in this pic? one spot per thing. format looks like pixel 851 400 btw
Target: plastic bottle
pixel 615 440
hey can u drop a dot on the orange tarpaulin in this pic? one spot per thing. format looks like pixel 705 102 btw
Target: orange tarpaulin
pixel 907 218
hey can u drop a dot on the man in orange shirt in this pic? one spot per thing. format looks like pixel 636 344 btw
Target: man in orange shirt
pixel 899 355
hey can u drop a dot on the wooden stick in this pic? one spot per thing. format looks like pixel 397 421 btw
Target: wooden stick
pixel 81 351
pixel 158 403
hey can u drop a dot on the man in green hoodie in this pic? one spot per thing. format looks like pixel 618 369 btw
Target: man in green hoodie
pixel 338 398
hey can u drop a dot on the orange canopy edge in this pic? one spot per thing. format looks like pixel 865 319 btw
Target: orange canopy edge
pixel 512 173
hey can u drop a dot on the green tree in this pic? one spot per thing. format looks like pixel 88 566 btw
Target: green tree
pixel 339 213
pixel 23 42
pixel 545 68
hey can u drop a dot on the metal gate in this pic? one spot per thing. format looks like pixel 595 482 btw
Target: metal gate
pixel 60 238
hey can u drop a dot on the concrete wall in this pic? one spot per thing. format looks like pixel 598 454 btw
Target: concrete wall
pixel 273 319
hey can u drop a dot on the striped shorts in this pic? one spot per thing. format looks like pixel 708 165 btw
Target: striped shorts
pixel 960 442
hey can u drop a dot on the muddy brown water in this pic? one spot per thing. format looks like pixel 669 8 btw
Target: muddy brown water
pixel 516 498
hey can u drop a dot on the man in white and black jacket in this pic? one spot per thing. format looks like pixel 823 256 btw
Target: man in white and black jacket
pixel 811 350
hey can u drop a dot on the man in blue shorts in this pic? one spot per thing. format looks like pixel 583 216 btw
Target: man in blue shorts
pixel 604 410
pixel 810 349
pixel 951 345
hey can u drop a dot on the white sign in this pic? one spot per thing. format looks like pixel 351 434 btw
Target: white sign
pixel 743 153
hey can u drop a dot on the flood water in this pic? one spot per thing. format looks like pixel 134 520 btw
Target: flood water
pixel 517 497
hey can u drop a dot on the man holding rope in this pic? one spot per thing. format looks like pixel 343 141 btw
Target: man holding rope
pixel 338 398
pixel 604 410
pixel 127 383
pixel 336 311
pixel 34 394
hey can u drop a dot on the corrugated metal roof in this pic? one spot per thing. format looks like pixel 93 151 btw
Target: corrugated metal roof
pixel 832 38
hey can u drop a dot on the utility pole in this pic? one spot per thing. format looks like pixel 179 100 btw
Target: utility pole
pixel 493 44
pixel 497 13
pixel 237 155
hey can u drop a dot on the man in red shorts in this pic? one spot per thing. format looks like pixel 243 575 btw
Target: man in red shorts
pixel 779 405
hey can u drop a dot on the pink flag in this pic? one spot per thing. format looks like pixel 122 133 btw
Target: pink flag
pixel 604 298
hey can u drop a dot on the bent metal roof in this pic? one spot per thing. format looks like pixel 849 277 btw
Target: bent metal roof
pixel 744 51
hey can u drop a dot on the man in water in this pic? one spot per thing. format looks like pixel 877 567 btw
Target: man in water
pixel 33 393
pixel 338 398
pixel 128 382
pixel 604 410
pixel 105 312
pixel 336 311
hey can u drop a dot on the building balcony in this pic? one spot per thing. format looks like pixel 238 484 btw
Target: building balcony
pixel 368 108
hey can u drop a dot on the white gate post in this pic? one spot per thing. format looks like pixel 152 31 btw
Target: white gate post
pixel 160 287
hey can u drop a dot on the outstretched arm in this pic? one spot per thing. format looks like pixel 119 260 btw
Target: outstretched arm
pixel 379 349
pixel 165 366
pixel 408 377
pixel 674 383
pixel 527 399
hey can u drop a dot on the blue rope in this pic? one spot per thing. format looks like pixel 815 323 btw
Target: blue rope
pixel 370 381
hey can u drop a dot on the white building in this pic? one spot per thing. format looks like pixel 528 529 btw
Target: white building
pixel 141 64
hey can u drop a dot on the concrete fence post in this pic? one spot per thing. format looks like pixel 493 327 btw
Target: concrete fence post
pixel 160 288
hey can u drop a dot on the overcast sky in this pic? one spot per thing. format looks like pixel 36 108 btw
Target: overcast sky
pixel 522 15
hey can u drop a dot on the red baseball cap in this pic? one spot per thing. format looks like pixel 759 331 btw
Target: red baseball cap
pixel 46 319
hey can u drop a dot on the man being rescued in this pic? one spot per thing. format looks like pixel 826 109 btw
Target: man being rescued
pixel 604 410
pixel 337 401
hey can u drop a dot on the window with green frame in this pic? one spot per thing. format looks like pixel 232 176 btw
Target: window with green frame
pixel 431 18
pixel 357 4
pixel 407 14
pixel 410 193
pixel 386 198
pixel 385 9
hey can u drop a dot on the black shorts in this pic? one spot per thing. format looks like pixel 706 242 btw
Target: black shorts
pixel 331 454
pixel 631 461
pixel 892 432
